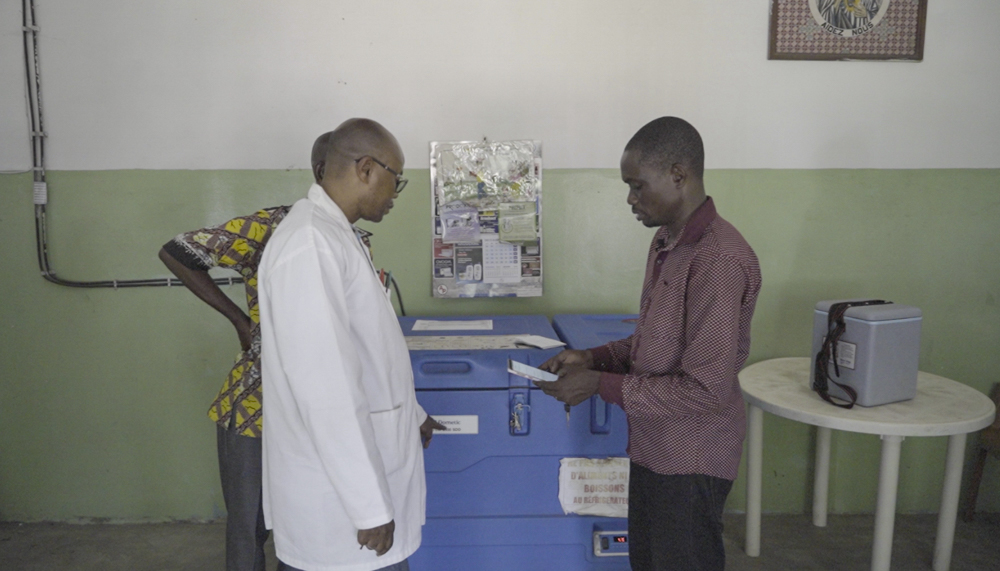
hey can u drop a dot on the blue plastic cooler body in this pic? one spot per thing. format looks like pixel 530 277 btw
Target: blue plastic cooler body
pixel 487 369
pixel 589 331
pixel 492 496
pixel 586 331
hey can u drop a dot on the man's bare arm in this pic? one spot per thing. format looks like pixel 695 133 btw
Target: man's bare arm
pixel 203 286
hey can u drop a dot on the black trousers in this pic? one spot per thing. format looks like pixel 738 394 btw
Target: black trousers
pixel 675 521
pixel 240 470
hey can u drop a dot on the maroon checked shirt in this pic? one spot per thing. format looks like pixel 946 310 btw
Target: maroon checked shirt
pixel 675 377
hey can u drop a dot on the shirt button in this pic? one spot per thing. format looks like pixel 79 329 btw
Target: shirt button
pixel 660 261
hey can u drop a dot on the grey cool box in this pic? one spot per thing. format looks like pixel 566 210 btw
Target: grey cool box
pixel 878 354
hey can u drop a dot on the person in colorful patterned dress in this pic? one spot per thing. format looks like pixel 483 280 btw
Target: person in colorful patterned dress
pixel 236 245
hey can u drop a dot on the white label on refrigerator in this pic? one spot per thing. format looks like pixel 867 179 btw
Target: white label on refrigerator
pixel 453 325
pixel 593 486
pixel 458 424
pixel 845 354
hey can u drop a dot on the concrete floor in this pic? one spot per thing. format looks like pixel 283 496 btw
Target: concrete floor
pixel 789 542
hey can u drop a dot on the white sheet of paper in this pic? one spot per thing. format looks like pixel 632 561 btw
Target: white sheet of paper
pixel 501 261
pixel 595 487
pixel 529 372
pixel 458 423
pixel 539 341
pixel 436 325
pixel 478 342
pixel 460 342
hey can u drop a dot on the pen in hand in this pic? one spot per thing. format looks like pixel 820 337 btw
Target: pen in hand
pixel 567 407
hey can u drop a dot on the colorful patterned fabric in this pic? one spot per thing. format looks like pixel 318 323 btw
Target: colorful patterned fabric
pixel 676 376
pixel 236 245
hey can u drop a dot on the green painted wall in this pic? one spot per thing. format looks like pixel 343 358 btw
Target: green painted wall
pixel 103 393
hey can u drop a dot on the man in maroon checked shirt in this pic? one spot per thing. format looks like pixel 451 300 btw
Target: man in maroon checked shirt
pixel 675 377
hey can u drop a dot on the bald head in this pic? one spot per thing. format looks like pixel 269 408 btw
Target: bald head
pixel 337 150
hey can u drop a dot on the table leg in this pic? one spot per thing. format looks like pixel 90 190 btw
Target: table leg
pixel 821 481
pixel 949 502
pixel 885 509
pixel 755 453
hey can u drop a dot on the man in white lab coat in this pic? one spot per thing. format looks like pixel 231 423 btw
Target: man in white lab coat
pixel 343 468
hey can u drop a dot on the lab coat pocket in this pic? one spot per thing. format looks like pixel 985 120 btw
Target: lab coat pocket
pixel 389 438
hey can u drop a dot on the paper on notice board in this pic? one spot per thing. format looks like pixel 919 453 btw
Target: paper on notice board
pixel 501 261
pixel 517 222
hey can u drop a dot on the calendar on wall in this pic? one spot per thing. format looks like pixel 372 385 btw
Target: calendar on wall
pixel 486 205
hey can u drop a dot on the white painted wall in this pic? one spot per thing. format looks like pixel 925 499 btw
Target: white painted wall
pixel 190 84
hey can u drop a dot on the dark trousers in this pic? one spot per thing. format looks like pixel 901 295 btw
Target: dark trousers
pixel 675 521
pixel 240 469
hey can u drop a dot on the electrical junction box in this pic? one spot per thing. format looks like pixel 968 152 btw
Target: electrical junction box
pixel 878 354
pixel 493 476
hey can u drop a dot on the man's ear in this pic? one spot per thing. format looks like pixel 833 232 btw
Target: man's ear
pixel 678 174
pixel 363 167
pixel 319 170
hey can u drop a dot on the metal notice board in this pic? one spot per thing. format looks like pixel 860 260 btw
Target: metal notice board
pixel 486 205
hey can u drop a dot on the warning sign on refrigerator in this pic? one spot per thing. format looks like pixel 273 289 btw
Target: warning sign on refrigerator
pixel 597 487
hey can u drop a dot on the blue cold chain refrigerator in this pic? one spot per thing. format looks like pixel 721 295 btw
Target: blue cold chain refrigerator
pixel 588 331
pixel 492 486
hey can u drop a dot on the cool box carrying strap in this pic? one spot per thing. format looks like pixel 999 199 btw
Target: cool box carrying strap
pixel 835 327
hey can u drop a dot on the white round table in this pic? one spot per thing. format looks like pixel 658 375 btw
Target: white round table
pixel 942 407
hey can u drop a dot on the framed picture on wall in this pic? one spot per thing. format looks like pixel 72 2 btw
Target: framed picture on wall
pixel 847 29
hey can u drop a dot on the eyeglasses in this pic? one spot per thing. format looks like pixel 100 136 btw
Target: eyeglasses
pixel 400 182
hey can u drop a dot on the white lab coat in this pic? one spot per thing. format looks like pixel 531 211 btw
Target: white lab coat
pixel 341 427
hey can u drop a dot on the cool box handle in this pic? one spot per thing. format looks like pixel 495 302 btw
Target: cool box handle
pixel 600 415
pixel 452 367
